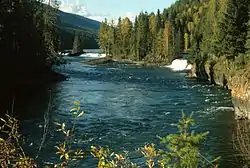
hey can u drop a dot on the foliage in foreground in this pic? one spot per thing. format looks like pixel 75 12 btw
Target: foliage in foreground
pixel 182 148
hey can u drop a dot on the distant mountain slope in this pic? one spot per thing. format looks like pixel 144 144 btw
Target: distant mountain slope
pixel 70 23
pixel 78 21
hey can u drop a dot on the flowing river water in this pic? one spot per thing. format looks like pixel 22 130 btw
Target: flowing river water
pixel 127 106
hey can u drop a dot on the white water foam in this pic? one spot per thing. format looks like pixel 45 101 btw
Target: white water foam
pixel 63 54
pixel 180 65
pixel 225 108
pixel 93 55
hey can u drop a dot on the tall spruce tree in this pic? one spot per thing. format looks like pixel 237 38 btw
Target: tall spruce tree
pixel 77 43
pixel 234 28
pixel 247 45
pixel 103 36
pixel 126 34
pixel 158 21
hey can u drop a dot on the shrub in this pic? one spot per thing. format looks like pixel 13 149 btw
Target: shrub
pixel 182 148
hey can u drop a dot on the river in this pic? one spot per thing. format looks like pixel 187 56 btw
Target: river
pixel 127 106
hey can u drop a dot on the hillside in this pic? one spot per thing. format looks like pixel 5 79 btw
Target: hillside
pixel 78 21
pixel 70 23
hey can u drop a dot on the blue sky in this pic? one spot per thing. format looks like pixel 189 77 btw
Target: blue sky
pixel 112 9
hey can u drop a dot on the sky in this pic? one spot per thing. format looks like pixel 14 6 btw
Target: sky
pixel 112 9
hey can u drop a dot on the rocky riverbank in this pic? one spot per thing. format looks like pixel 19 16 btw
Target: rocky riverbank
pixel 224 73
pixel 105 60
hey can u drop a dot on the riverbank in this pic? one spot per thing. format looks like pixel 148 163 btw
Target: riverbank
pixel 45 77
pixel 228 74
pixel 105 60
pixel 12 88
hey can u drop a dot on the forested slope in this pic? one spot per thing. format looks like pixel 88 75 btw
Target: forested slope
pixel 215 33
pixel 71 23
pixel 210 26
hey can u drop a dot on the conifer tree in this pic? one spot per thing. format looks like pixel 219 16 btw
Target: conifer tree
pixel 158 21
pixel 77 43
pixel 126 33
pixel 168 52
pixel 152 33
pixel 234 28
pixel 136 35
pixel 247 45
pixel 103 36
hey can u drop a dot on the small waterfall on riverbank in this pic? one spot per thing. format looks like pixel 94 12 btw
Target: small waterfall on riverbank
pixel 180 65
pixel 93 55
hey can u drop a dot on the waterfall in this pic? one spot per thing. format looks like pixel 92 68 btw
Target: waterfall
pixel 180 65
pixel 93 55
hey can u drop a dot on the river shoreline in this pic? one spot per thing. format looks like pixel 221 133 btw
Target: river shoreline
pixel 11 89
pixel 223 73
pixel 105 60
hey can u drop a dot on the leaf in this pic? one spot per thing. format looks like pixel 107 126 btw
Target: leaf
pixel 63 126
pixel 66 156
pixel 3 120
pixel 81 114
pixel 67 134
pixel 56 123
pixel 77 103
pixel 73 109
pixel 93 147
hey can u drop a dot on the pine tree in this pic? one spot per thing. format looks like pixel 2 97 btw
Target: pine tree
pixel 77 43
pixel 234 28
pixel 160 44
pixel 168 50
pixel 158 21
pixel 210 26
pixel 118 37
pixel 136 35
pixel 113 38
pixel 247 45
pixel 216 45
pixel 126 33
pixel 153 33
pixel 142 35
pixel 103 36
pixel 178 43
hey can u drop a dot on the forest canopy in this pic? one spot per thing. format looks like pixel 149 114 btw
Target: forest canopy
pixel 199 27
